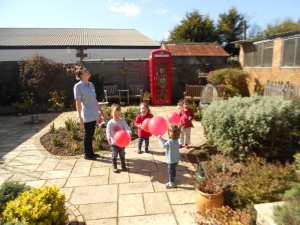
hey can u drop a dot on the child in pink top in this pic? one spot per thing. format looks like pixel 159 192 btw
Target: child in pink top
pixel 142 134
pixel 186 116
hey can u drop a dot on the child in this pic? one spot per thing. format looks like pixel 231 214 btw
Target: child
pixel 186 116
pixel 172 153
pixel 142 134
pixel 113 126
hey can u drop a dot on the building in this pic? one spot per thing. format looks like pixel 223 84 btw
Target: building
pixel 276 59
pixel 74 44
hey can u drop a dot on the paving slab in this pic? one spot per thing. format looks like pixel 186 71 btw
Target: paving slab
pixel 131 205
pixel 94 194
pixel 99 210
pixel 157 203
pixel 134 188
pixel 157 219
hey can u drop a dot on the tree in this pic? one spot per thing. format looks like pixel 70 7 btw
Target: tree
pixel 194 28
pixel 38 75
pixel 230 28
pixel 279 26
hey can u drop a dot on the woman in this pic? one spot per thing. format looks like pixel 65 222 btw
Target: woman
pixel 87 108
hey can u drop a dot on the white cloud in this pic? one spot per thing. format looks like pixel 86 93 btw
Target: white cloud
pixel 177 18
pixel 128 8
pixel 162 11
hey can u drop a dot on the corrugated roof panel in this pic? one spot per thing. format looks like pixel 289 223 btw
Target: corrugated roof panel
pixel 194 49
pixel 38 37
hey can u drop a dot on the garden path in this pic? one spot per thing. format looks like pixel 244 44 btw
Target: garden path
pixel 96 195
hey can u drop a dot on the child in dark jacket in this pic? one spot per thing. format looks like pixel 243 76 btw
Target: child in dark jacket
pixel 142 134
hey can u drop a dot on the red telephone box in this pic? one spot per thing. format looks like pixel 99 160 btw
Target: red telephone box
pixel 160 72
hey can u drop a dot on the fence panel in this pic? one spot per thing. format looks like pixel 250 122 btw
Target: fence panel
pixel 285 90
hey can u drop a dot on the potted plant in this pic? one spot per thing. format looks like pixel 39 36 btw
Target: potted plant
pixel 146 97
pixel 209 189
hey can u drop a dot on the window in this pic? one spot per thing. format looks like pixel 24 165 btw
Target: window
pixel 291 53
pixel 259 55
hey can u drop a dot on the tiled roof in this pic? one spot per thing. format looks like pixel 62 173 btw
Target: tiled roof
pixel 194 49
pixel 59 37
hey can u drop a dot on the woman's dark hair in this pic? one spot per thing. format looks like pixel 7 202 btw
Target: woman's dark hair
pixel 186 101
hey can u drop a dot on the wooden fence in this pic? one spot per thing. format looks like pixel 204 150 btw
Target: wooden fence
pixel 286 90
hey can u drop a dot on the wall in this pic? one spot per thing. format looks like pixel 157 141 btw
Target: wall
pixel 138 73
pixel 62 55
pixel 273 74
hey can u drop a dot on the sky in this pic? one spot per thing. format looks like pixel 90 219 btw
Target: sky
pixel 153 18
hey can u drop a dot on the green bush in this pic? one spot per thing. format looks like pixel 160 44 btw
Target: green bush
pixel 233 79
pixel 70 123
pixel 9 191
pixel 41 206
pixel 129 116
pixel 240 126
pixel 289 213
pixel 262 182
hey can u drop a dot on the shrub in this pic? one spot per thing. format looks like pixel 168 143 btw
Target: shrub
pixel 57 100
pixel 289 212
pixel 240 126
pixel 99 134
pixel 70 123
pixel 41 206
pixel 129 116
pixel 9 191
pixel 52 127
pixel 262 182
pixel 37 76
pixel 233 79
pixel 55 140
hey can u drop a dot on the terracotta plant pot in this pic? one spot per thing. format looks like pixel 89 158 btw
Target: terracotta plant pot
pixel 208 201
pixel 146 101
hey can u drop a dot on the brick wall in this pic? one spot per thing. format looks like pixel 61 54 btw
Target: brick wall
pixel 274 74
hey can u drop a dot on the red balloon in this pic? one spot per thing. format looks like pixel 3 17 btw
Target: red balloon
pixel 145 124
pixel 122 138
pixel 158 125
pixel 173 118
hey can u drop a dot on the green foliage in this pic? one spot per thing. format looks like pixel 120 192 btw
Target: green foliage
pixel 230 28
pixel 37 76
pixel 197 111
pixel 277 27
pixel 52 127
pixel 289 212
pixel 262 182
pixel 98 81
pixel 129 116
pixel 241 126
pixel 233 79
pixel 70 123
pixel 55 140
pixel 297 161
pixel 27 105
pixel 99 134
pixel 57 100
pixel 41 206
pixel 9 191
pixel 74 132
pixel 194 28
pixel 203 154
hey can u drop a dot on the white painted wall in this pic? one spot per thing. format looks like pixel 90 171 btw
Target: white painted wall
pixel 62 55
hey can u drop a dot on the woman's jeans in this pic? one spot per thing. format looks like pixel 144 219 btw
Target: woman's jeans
pixel 172 171
pixel 89 130
pixel 115 150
